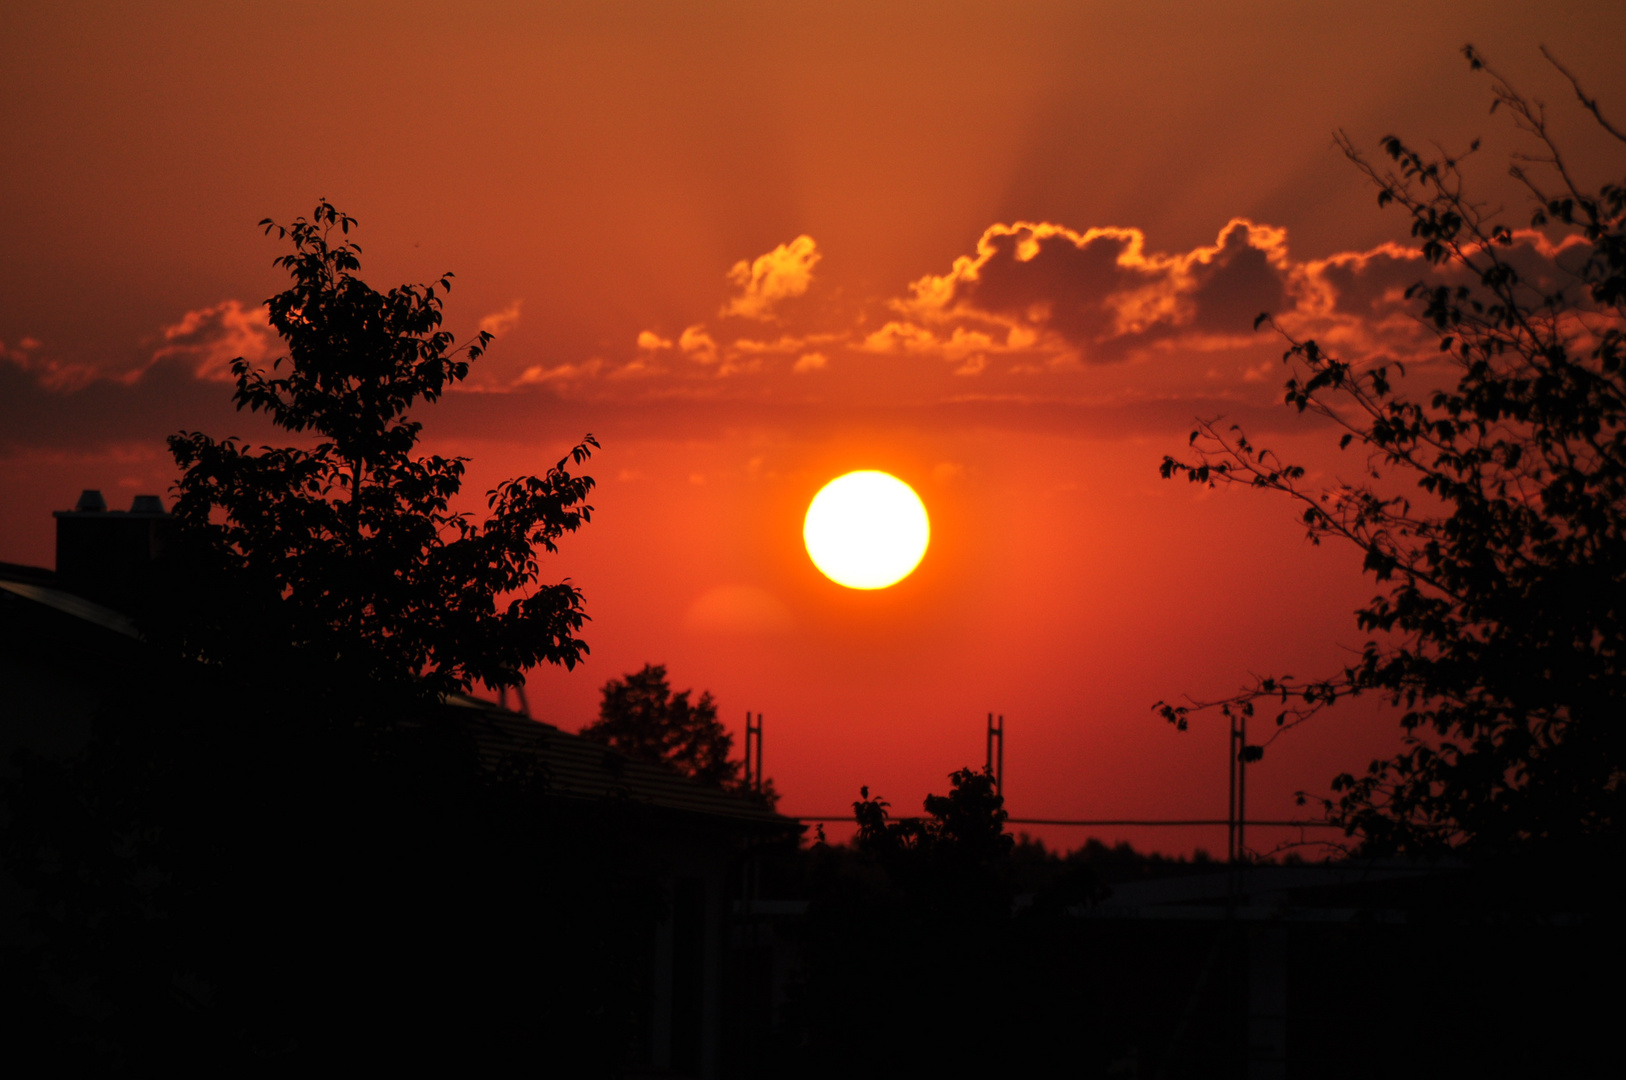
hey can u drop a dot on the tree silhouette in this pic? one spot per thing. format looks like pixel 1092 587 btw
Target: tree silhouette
pixel 917 964
pixel 641 717
pixel 347 552
pixel 296 851
pixel 1498 630
pixel 966 826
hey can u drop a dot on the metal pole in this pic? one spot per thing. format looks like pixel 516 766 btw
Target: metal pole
pixel 999 775
pixel 1230 802
pixel 988 757
pixel 1242 788
pixel 994 761
pixel 759 752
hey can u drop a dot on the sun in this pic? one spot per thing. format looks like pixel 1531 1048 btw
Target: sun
pixel 866 530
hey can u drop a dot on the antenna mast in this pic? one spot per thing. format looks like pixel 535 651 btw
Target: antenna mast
pixel 1237 811
pixel 753 745
pixel 996 756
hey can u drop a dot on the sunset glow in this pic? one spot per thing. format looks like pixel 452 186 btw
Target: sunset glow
pixel 866 530
pixel 1008 253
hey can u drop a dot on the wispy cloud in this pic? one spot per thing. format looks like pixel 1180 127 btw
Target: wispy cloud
pixel 207 340
pixel 782 273
pixel 30 356
pixel 698 345
pixel 203 343
pixel 541 375
pixel 499 323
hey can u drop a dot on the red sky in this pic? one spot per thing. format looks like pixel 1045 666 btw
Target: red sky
pixel 1006 252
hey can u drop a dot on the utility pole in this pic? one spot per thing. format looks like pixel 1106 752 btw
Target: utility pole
pixel 1230 797
pixel 996 760
pixel 753 743
pixel 1236 814
pixel 1241 787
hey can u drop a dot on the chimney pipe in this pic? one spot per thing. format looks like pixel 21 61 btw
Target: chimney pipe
pixel 111 556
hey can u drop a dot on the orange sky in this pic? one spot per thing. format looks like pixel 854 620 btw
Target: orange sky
pixel 1006 252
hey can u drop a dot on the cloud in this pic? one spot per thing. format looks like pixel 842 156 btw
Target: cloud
pixel 45 371
pixel 207 340
pixel 203 343
pixel 698 345
pixel 1097 293
pixel 964 347
pixel 782 273
pixel 732 357
pixel 1045 295
pixel 1038 317
pixel 639 367
pixel 1355 303
pixel 499 323
pixel 542 375
pixel 785 345
pixel 896 337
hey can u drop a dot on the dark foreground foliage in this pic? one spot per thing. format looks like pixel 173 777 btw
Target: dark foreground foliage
pixel 278 849
pixel 1491 512
pixel 263 877
pixel 347 549
pixel 936 946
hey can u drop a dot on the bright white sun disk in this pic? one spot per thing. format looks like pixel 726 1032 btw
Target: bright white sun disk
pixel 866 530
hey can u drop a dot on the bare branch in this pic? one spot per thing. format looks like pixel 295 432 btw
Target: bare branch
pixel 1588 103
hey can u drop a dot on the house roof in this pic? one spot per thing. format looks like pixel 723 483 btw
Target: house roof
pixel 577 768
pixel 71 604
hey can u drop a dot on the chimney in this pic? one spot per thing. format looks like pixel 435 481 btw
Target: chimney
pixel 111 556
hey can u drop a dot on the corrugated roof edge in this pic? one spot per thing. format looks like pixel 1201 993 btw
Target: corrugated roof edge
pixel 577 768
pixel 75 605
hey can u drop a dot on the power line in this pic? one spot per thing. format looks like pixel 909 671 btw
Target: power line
pixel 1088 822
